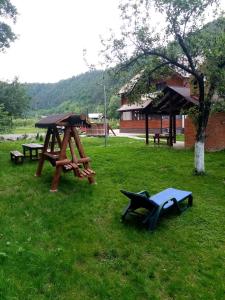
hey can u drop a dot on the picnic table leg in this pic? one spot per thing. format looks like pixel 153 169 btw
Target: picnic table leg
pixel 24 151
pixel 30 153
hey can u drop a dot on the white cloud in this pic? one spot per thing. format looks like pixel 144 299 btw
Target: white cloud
pixel 52 36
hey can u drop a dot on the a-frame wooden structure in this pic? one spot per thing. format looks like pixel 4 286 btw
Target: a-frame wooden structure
pixel 79 163
pixel 173 101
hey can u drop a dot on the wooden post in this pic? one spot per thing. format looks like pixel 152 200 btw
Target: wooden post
pixel 53 141
pixel 74 159
pixel 81 152
pixel 161 125
pixel 62 155
pixel 42 157
pixel 146 130
pixel 171 131
pixel 58 138
pixel 174 128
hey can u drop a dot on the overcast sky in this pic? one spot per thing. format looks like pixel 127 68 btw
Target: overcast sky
pixel 52 35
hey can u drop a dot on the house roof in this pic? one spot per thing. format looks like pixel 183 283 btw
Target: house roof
pixel 128 87
pixel 135 106
pixel 62 120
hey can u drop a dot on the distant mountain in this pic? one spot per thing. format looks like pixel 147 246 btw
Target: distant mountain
pixel 79 93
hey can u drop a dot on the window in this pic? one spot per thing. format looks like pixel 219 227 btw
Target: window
pixel 137 115
pixel 126 116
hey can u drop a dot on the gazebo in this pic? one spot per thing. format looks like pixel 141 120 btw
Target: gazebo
pixel 61 133
pixel 174 99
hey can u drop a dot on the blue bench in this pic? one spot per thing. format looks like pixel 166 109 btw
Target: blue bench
pixel 156 204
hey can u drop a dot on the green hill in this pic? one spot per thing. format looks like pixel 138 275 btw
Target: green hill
pixel 80 93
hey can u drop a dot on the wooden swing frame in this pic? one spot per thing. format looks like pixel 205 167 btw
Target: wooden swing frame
pixel 58 158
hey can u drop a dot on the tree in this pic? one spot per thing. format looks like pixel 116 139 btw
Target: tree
pixel 7 12
pixel 114 104
pixel 184 43
pixel 14 98
pixel 5 121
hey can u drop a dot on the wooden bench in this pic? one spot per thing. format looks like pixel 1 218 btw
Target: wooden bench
pixel 158 136
pixel 16 156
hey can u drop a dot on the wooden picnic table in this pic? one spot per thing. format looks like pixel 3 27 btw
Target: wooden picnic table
pixel 32 149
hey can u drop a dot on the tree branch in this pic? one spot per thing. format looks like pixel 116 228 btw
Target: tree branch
pixel 159 66
pixel 186 52
pixel 171 61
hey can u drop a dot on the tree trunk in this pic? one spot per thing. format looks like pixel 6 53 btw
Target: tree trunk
pixel 204 111
pixel 201 128
pixel 199 157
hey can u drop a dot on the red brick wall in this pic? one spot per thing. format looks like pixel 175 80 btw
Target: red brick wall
pixel 139 125
pixel 215 133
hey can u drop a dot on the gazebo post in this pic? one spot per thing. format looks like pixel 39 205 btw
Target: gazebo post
pixel 146 130
pixel 161 125
pixel 174 129
pixel 171 130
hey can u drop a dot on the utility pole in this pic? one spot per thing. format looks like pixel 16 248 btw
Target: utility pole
pixel 105 118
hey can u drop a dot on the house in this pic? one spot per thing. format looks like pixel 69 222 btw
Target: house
pixel 132 116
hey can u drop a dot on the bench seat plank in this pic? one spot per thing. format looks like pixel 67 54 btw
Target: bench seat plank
pixel 16 153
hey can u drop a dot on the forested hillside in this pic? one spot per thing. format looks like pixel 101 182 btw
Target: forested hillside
pixel 81 93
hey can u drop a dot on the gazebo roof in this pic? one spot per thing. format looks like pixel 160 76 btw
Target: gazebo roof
pixel 174 99
pixel 67 119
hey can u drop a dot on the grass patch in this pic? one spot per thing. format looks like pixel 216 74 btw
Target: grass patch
pixel 72 245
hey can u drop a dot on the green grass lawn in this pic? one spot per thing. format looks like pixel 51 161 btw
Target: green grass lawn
pixel 72 245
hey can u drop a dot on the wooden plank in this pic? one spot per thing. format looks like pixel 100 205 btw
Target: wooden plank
pixel 16 153
pixel 62 162
pixel 62 156
pixel 81 152
pixel 84 160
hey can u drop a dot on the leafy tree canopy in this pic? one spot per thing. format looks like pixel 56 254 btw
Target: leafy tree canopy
pixel 7 12
pixel 5 121
pixel 14 98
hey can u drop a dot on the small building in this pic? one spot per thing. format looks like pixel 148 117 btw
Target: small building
pixel 98 126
